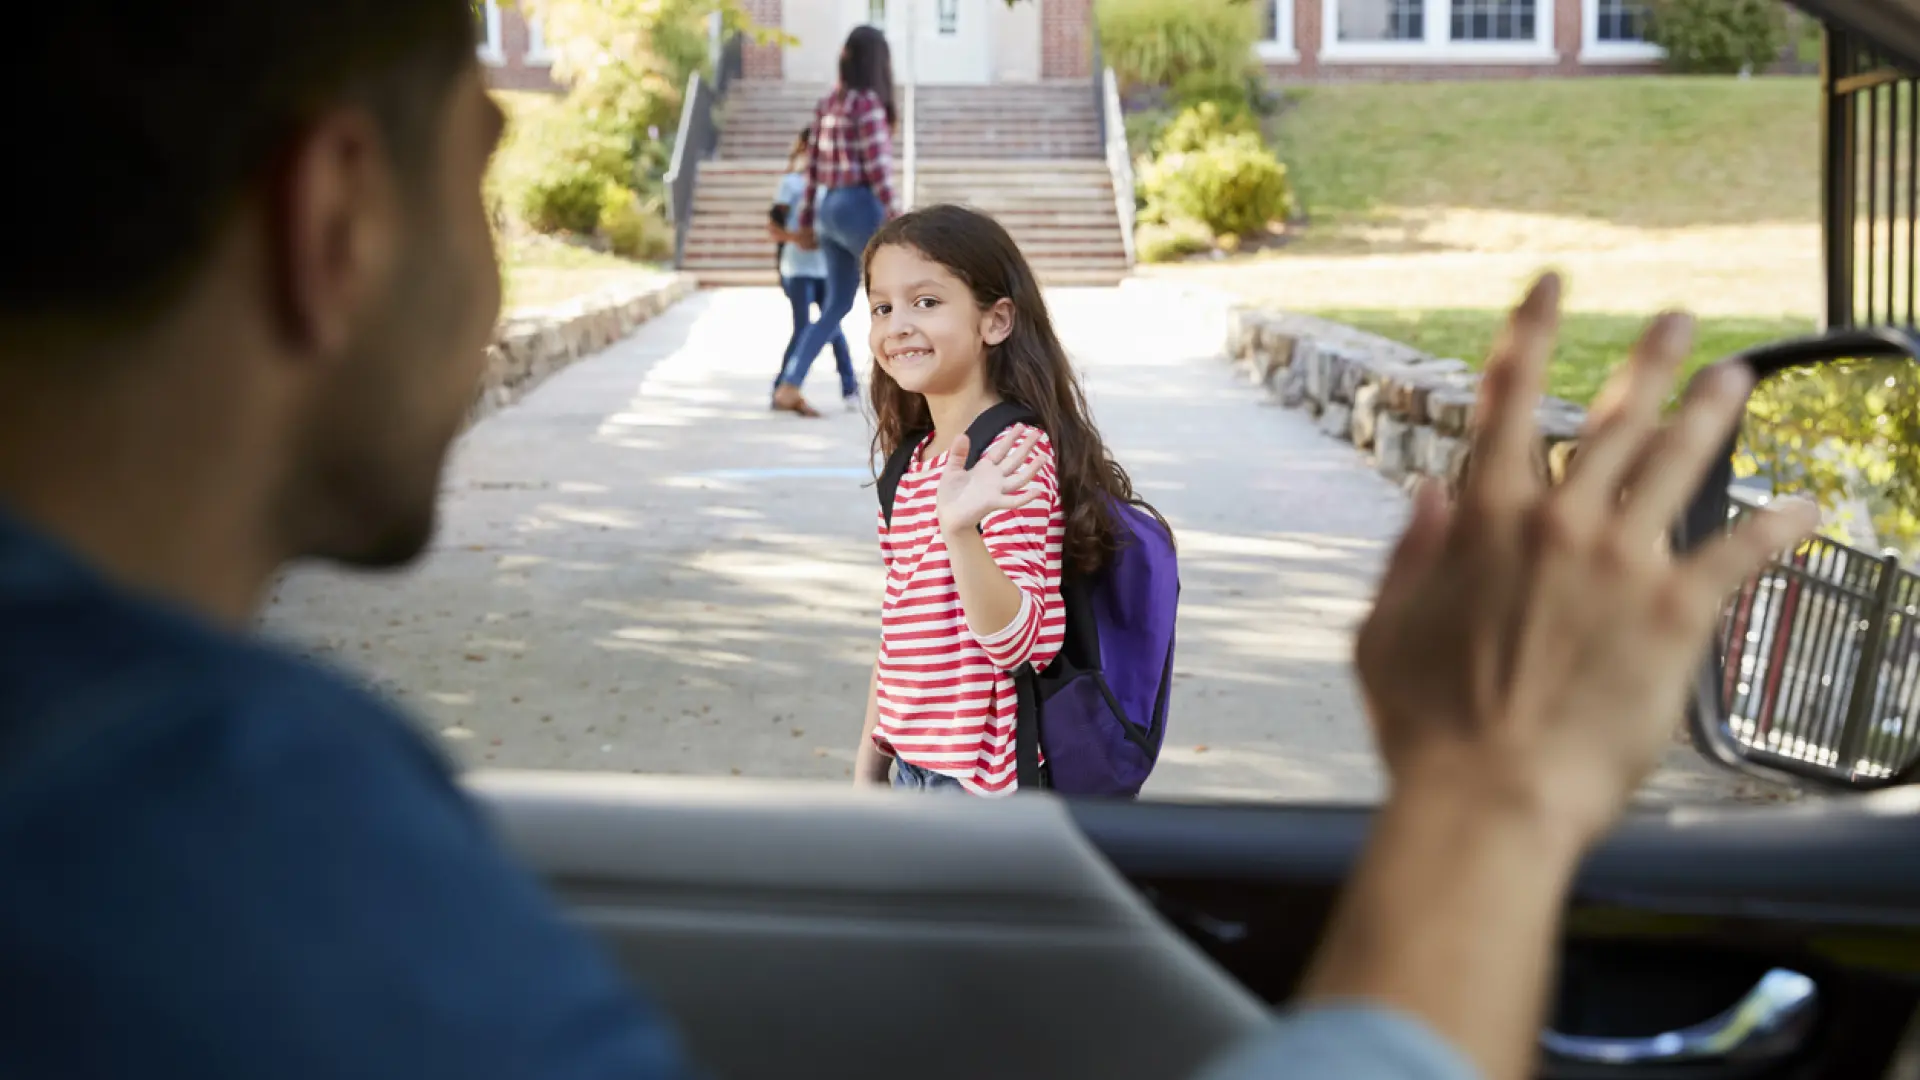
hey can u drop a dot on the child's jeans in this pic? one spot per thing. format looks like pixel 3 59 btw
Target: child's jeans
pixel 909 777
pixel 803 293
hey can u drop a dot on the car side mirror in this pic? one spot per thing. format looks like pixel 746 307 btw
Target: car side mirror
pixel 1815 670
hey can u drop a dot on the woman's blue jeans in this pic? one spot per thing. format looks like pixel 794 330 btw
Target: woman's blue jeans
pixel 845 219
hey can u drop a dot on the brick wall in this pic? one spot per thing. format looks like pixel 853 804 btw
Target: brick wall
pixel 764 61
pixel 516 73
pixel 1066 38
pixel 1567 30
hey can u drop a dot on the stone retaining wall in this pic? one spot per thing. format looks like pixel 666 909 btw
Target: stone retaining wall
pixel 1408 409
pixel 528 346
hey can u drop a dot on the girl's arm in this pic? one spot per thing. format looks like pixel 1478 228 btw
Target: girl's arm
pixel 870 764
pixel 1007 568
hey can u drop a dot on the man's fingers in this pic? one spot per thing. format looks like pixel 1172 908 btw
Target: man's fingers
pixel 1504 428
pixel 1674 463
pixel 1627 412
pixel 1727 561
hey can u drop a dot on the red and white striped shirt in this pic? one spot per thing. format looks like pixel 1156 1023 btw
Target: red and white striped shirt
pixel 947 698
pixel 852 145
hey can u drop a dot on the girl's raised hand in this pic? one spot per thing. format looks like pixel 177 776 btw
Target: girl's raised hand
pixel 1001 480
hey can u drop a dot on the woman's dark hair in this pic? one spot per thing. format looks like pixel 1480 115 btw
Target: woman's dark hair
pixel 802 142
pixel 1030 367
pixel 866 63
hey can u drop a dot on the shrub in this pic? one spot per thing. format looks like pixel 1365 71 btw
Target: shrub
pixel 1161 42
pixel 634 228
pixel 1718 37
pixel 1201 125
pixel 1233 95
pixel 1144 129
pixel 1171 241
pixel 555 166
pixel 1233 184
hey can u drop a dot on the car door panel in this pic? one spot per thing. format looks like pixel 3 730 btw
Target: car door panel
pixel 790 927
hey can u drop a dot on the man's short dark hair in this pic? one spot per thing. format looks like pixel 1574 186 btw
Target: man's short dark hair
pixel 136 125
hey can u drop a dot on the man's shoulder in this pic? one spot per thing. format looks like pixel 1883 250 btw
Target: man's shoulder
pixel 90 674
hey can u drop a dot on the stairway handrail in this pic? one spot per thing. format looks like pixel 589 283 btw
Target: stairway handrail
pixel 1113 126
pixel 909 148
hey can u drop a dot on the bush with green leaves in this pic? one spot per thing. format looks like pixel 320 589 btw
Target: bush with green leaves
pixel 1718 37
pixel 1232 184
pixel 1171 241
pixel 1163 42
pixel 634 227
pixel 1202 124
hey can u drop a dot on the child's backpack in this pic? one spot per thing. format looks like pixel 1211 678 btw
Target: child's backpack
pixel 1099 710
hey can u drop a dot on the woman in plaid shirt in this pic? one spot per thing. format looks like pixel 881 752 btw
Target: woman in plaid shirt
pixel 849 193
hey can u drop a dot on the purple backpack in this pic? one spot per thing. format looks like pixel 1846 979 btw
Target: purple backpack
pixel 1100 708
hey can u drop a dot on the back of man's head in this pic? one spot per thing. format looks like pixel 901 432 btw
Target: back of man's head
pixel 137 125
pixel 286 194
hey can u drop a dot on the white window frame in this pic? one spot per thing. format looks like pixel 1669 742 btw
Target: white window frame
pixel 490 51
pixel 1435 47
pixel 1279 48
pixel 538 55
pixel 1595 51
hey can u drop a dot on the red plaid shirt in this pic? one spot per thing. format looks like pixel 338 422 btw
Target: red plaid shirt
pixel 851 146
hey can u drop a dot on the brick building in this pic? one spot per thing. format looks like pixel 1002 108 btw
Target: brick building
pixel 988 41
pixel 513 51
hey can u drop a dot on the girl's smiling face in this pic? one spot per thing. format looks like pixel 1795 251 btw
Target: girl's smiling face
pixel 928 332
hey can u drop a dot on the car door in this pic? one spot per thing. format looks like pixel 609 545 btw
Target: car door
pixel 800 929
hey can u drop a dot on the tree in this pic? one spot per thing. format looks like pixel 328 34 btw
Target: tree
pixel 1846 435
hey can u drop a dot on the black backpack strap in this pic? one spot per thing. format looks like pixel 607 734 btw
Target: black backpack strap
pixel 988 425
pixel 1026 731
pixel 896 468
pixel 980 434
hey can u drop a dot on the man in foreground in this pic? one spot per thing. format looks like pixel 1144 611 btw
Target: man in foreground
pixel 244 299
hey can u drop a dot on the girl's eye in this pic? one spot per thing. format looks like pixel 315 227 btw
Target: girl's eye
pixel 881 309
pixel 925 302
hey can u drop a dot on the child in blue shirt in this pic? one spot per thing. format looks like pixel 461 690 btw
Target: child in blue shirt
pixel 803 274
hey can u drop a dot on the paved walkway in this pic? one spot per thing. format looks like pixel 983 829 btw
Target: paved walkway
pixel 640 568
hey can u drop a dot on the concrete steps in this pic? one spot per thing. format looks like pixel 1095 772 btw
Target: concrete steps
pixel 1030 155
pixel 1061 213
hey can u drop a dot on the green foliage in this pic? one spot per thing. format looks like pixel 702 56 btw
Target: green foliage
pixel 1201 125
pixel 1234 95
pixel 1232 184
pixel 1171 241
pixel 553 167
pixel 1163 42
pixel 1718 37
pixel 633 228
pixel 1846 436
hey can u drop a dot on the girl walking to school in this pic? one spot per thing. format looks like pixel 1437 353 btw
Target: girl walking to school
pixel 848 194
pixel 974 555
pixel 803 274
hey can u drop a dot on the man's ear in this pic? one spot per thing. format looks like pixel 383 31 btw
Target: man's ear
pixel 996 322
pixel 334 216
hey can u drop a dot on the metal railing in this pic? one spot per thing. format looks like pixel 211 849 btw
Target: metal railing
pixel 699 134
pixel 1113 140
pixel 909 146
pixel 1870 133
pixel 1820 661
pixel 691 143
pixel 1113 128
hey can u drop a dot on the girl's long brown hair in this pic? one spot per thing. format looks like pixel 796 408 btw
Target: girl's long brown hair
pixel 1030 367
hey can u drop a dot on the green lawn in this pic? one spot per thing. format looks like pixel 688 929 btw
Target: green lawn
pixel 1656 152
pixel 540 271
pixel 1430 205
pixel 1591 344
